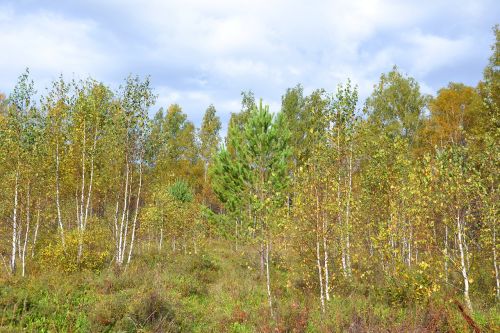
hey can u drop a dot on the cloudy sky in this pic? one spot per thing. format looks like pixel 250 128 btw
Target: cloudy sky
pixel 201 52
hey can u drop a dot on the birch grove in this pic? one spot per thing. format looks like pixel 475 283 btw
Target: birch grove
pixel 396 196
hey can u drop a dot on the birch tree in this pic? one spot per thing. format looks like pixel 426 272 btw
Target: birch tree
pixel 20 143
pixel 209 136
pixel 136 97
pixel 56 106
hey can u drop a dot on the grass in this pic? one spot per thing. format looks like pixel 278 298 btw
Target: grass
pixel 216 290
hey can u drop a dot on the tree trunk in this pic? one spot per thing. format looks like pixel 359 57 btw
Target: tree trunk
pixel 268 281
pixel 26 234
pixel 497 278
pixel 262 260
pixel 14 226
pixel 161 239
pixel 342 228
pixel 116 224
pixel 58 203
pixel 446 253
pixel 410 240
pixel 340 220
pixel 77 205
pixel 347 218
pixel 134 225
pixel 127 219
pixel 122 223
pixel 318 255
pixel 36 230
pixel 85 213
pixel 82 197
pixel 205 171
pixel 91 180
pixel 461 235
pixel 320 276
pixel 327 278
pixel 325 245
pixel 19 232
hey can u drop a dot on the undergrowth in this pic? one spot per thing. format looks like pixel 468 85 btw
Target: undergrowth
pixel 217 290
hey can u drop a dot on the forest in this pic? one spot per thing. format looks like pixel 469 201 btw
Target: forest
pixel 331 214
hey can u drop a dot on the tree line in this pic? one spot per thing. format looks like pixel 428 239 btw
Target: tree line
pixel 401 189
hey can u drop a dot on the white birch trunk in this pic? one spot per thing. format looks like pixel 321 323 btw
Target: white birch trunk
pixel 35 236
pixel 446 253
pixel 19 233
pixel 134 225
pixel 339 203
pixel 325 245
pixel 342 228
pixel 497 278
pixel 127 219
pixel 89 194
pixel 327 274
pixel 58 203
pixel 462 260
pixel 14 226
pixel 80 209
pixel 82 191
pixel 347 218
pixel 410 240
pixel 262 260
pixel 268 281
pixel 77 204
pixel 318 255
pixel 320 276
pixel 115 225
pixel 85 202
pixel 26 234
pixel 84 216
pixel 122 223
pixel 161 239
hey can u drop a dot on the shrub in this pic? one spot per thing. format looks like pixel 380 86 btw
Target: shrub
pixel 152 310
pixel 96 252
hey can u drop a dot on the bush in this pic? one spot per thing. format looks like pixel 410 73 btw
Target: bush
pixel 109 310
pixel 152 310
pixel 415 286
pixel 96 252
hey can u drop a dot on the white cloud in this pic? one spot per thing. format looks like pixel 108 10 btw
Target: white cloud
pixel 50 44
pixel 430 52
pixel 167 96
pixel 201 52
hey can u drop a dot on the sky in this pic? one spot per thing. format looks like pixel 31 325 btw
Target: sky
pixel 206 52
